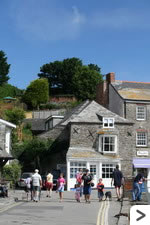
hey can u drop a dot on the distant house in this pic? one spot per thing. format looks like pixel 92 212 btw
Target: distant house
pixel 42 125
pixel 96 139
pixel 9 99
pixel 130 100
pixel 5 142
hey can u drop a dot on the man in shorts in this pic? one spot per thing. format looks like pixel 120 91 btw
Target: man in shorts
pixel 87 179
pixel 117 178
pixel 37 183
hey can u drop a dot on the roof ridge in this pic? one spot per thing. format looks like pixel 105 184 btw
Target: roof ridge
pixel 125 81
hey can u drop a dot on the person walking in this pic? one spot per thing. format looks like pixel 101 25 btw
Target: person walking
pixel 117 180
pixel 137 190
pixel 79 180
pixel 79 176
pixel 78 192
pixel 49 184
pixel 28 188
pixel 100 189
pixel 87 181
pixel 60 186
pixel 37 183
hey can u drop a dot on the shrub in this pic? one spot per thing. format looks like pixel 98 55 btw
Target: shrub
pixel 12 173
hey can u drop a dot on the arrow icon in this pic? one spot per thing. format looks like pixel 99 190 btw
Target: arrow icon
pixel 142 215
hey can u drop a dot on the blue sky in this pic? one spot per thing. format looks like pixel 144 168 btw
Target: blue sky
pixel 114 34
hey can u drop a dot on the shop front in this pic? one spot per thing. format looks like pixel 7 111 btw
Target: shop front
pixel 98 169
pixel 142 165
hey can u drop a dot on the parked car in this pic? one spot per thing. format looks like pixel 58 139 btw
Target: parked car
pixel 24 176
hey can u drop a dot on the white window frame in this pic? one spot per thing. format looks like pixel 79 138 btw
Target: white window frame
pixel 142 138
pixel 102 143
pixel 141 112
pixel 109 122
pixel 107 170
pixel 75 166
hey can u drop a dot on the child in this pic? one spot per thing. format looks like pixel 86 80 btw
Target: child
pixel 100 188
pixel 78 192
pixel 60 186
pixel 28 188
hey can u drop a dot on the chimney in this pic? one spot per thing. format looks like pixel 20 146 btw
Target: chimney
pixel 102 92
pixel 110 77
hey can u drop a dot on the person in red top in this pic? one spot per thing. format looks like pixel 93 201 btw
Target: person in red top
pixel 100 188
pixel 79 177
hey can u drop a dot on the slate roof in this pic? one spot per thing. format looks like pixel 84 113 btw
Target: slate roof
pixel 80 153
pixel 133 90
pixel 74 112
pixel 94 113
pixel 36 124
pixel 67 118
pixel 86 112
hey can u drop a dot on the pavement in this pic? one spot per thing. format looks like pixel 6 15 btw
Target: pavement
pixel 117 212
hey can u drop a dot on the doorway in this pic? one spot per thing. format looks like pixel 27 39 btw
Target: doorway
pixel 94 172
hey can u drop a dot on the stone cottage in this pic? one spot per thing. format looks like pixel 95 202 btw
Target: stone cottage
pixel 5 142
pixel 97 139
pixel 130 100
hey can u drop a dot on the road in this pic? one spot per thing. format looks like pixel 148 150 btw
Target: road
pixel 49 211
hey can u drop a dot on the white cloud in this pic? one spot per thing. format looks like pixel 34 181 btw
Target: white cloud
pixel 44 20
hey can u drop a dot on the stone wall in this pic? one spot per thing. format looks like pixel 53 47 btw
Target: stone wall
pixel 139 125
pixel 62 99
pixel 87 136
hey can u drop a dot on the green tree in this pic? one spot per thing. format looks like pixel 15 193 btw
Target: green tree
pixel 36 93
pixel 9 90
pixel 60 75
pixel 4 68
pixel 34 153
pixel 85 82
pixel 12 172
pixel 15 115
pixel 94 67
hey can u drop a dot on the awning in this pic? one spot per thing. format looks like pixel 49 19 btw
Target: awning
pixel 141 163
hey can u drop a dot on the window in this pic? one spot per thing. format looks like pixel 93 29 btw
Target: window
pixel 141 139
pixel 107 170
pixel 93 169
pixel 75 166
pixel 108 122
pixel 108 143
pixel 141 113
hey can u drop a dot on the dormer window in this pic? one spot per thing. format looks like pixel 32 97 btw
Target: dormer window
pixel 108 122
pixel 141 112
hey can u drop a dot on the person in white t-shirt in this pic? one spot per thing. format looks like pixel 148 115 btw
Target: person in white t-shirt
pixel 36 183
